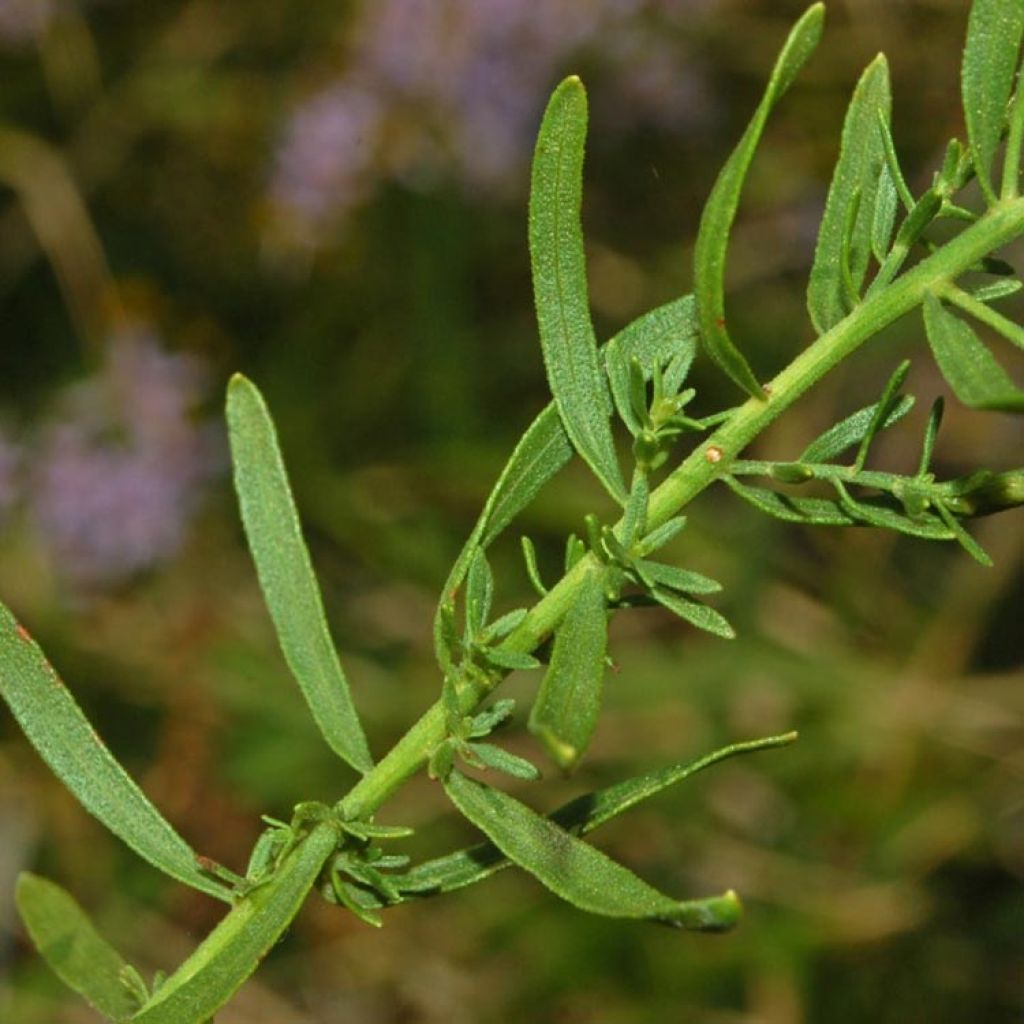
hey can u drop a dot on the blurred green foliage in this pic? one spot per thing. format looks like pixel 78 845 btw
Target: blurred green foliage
pixel 880 858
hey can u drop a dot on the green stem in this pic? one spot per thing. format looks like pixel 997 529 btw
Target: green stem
pixel 1000 225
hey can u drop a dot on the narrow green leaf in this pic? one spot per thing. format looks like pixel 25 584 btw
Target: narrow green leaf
pixel 720 209
pixel 532 569
pixel 575 549
pixel 560 284
pixel 286 574
pixel 579 816
pixel 234 949
pixel 983 313
pixel 890 396
pixel 857 172
pixel 488 720
pixel 886 203
pixel 853 429
pixel 994 32
pixel 998 290
pixel 931 432
pixel 659 537
pixel 569 700
pixel 684 580
pixel 371 830
pixel 491 755
pixel 964 539
pixel 67 742
pixel 695 613
pixel 479 593
pixel 889 518
pixel 892 163
pixel 575 871
pixel 968 366
pixel 504 624
pixel 75 951
pixel 511 660
pixel 790 509
pixel 634 520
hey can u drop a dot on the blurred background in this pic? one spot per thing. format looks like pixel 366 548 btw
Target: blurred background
pixel 331 198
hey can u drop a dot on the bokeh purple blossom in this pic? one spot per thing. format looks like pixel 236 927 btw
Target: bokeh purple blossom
pixel 23 22
pixel 119 469
pixel 455 87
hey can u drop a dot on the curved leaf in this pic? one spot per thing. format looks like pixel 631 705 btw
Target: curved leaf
pixel 70 944
pixel 857 173
pixel 234 949
pixel 67 742
pixel 720 209
pixel 560 284
pixel 994 32
pixel 577 872
pixel 968 366
pixel 568 703
pixel 578 816
pixel 286 574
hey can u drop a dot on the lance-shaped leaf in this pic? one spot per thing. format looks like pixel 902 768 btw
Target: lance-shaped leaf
pixel 694 612
pixel 720 210
pixel 568 703
pixel 234 949
pixel 560 284
pixel 577 872
pixel 994 32
pixel 968 366
pixel 579 817
pixel 479 594
pixel 857 172
pixel 853 429
pixel 886 203
pixel 286 574
pixel 62 932
pixel 790 509
pixel 67 742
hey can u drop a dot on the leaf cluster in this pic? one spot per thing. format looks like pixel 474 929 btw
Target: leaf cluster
pixel 858 283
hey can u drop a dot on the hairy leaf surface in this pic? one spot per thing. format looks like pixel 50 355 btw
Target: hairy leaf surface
pixel 286 573
pixel 855 179
pixel 966 363
pixel 560 284
pixel 75 951
pixel 67 742
pixel 577 872
pixel 994 32
pixel 568 703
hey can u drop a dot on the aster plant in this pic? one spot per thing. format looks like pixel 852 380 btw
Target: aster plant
pixel 876 261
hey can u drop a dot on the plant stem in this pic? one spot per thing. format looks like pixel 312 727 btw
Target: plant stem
pixel 1000 225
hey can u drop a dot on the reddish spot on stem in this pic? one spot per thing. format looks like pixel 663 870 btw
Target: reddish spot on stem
pixel 720 323
pixel 22 632
pixel 207 864
pixel 714 454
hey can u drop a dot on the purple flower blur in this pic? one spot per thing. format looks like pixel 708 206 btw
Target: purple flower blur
pixel 119 471
pixel 457 86
pixel 22 22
